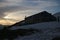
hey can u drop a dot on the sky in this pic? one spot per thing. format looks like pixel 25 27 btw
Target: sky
pixel 16 10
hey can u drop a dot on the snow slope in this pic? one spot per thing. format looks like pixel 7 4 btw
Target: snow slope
pixel 45 25
pixel 37 36
pixel 49 31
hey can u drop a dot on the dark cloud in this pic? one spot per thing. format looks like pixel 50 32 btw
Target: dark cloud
pixel 32 0
pixel 2 0
pixel 42 0
pixel 6 9
pixel 10 9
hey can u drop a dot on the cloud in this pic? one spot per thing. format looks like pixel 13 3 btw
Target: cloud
pixel 2 0
pixel 27 7
pixel 20 15
pixel 4 10
pixel 39 3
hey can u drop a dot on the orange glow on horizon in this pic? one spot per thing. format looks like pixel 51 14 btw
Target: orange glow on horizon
pixel 5 22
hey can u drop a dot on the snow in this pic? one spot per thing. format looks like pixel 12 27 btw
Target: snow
pixel 39 36
pixel 49 31
pixel 46 25
pixel 35 36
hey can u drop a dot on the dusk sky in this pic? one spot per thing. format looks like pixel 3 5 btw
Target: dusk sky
pixel 14 10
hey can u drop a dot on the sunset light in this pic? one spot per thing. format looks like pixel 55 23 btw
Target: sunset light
pixel 6 17
pixel 6 22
